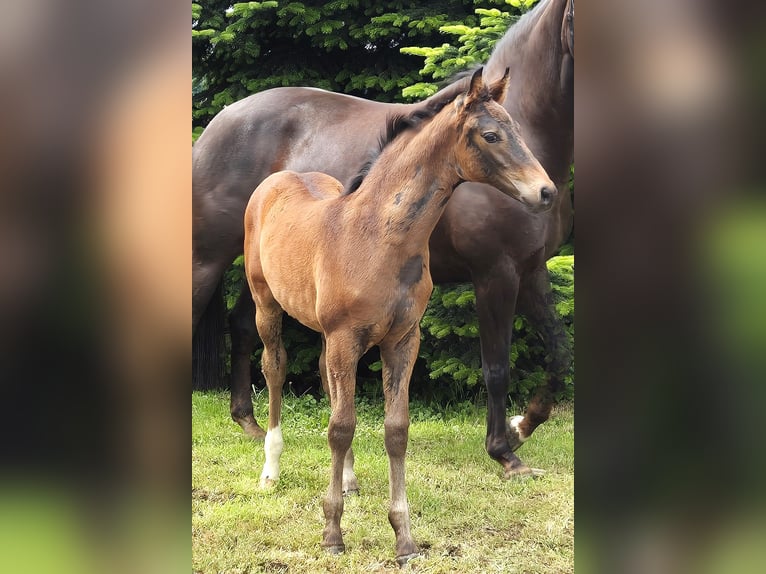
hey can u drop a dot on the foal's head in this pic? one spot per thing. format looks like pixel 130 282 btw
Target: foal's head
pixel 490 147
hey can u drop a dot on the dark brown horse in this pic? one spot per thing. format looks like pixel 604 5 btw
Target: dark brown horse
pixel 482 237
pixel 354 267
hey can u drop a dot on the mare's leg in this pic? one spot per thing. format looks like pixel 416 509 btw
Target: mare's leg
pixel 205 278
pixel 398 360
pixel 350 484
pixel 242 329
pixel 208 317
pixel 268 320
pixel 496 293
pixel 340 358
pixel 536 302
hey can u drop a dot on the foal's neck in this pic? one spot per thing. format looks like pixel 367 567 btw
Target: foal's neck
pixel 410 184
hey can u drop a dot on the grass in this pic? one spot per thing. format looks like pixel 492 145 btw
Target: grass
pixel 465 518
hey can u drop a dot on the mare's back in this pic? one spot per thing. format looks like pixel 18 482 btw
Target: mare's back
pixel 298 129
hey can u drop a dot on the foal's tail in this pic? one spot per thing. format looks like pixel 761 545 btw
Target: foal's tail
pixel 208 345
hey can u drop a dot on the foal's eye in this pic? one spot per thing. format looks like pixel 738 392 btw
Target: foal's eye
pixel 490 137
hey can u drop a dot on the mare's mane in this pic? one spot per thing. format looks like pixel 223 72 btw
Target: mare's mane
pixel 517 33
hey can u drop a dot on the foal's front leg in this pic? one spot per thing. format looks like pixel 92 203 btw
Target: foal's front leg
pixel 340 358
pixel 398 360
pixel 350 484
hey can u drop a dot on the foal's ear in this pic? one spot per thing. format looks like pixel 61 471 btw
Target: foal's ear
pixel 499 88
pixel 474 90
pixel 476 84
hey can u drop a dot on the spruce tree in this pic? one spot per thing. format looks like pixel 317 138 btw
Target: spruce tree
pixel 349 46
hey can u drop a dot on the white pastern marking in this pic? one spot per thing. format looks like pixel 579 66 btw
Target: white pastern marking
pixel 273 446
pixel 348 474
pixel 514 422
pixel 400 507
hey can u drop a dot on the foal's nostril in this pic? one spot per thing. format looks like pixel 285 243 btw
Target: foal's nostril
pixel 547 194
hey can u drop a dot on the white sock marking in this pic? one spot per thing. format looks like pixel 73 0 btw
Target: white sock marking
pixel 515 422
pixel 273 448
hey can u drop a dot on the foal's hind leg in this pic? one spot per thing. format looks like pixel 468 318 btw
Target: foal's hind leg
pixel 495 304
pixel 536 302
pixel 350 484
pixel 398 360
pixel 268 321
pixel 242 329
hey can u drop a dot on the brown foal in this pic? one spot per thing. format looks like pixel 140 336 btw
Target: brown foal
pixel 353 265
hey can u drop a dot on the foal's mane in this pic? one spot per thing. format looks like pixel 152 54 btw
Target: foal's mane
pixel 396 125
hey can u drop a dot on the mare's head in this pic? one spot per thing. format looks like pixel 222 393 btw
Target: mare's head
pixel 567 29
pixel 490 147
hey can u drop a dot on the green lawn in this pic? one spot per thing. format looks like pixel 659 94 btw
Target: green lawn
pixel 464 516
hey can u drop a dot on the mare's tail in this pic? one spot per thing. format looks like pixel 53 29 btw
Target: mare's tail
pixel 208 345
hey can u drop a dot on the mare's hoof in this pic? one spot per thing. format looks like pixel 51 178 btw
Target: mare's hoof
pixel 512 433
pixel 520 472
pixel 336 548
pixel 351 491
pixel 251 428
pixel 523 473
pixel 402 561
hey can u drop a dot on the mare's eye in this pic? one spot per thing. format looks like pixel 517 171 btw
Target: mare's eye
pixel 490 137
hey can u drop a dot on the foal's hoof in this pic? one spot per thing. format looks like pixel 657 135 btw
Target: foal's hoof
pixel 402 561
pixel 251 428
pixel 513 433
pixel 336 549
pixel 350 487
pixel 268 484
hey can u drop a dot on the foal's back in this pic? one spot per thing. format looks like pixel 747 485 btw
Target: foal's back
pixel 283 252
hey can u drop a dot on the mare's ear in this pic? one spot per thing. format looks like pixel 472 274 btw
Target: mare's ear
pixel 499 88
pixel 474 89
